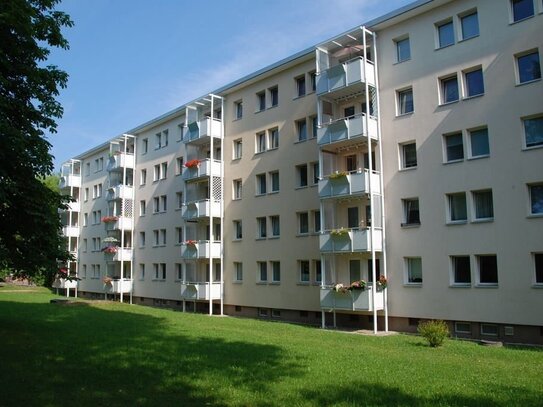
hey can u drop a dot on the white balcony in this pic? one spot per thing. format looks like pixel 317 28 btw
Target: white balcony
pixel 64 283
pixel 119 286
pixel 343 130
pixel 122 223
pixel 72 207
pixel 70 180
pixel 70 231
pixel 206 168
pixel 354 241
pixel 202 249
pixel 201 291
pixel 350 184
pixel 202 130
pixel 353 300
pixel 336 79
pixel 118 161
pixel 123 254
pixel 201 209
pixel 120 192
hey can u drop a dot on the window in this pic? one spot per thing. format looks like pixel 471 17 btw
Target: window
pixel 318 271
pixel 86 195
pixel 238 108
pixel 303 223
pixel 301 129
pixel 85 219
pixel 474 83
pixel 178 235
pixel 260 101
pixel 143 208
pixel 238 230
pixel 533 131
pixel 304 271
pixel 85 245
pixel 160 271
pixel 274 181
pixel 403 50
pixel 528 67
pixel 143 177
pixel 354 270
pixel 179 164
pixel 301 175
pixel 411 212
pixel 352 217
pixel 445 33
pixel 488 269
pixel 161 139
pixel 142 239
pixel 317 221
pixel 276 271
pixel 261 228
pixel 273 135
pixel 314 126
pixel 274 96
pixel 163 170
pixel 313 78
pixel 238 271
pixel 414 270
pixel 260 143
pixel 536 199
pixel 87 169
pixel 156 172
pixel 457 207
pixel 237 185
pixel 178 271
pixel 408 155
pixel 163 237
pixel 461 270
pixel 405 102
pixel 262 267
pixel 449 89
pixel 84 271
pixel 478 140
pixel 538 265
pixel 156 204
pixel 238 149
pixel 260 184
pixel 300 86
pixel 454 147
pixel 275 226
pixel 315 169
pixel 470 25
pixel 179 200
pixel 483 205
pixel 489 329
pixel 462 327
pixel 144 146
pixel 521 9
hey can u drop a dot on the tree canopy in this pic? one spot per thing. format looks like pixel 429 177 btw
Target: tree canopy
pixel 30 240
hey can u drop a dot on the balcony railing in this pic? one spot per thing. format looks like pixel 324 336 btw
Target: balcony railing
pixel 120 192
pixel 338 77
pixel 202 249
pixel 201 291
pixel 122 223
pixel 123 254
pixel 354 240
pixel 70 231
pixel 117 286
pixel 201 209
pixel 70 180
pixel 354 183
pixel 206 168
pixel 202 130
pixel 118 161
pixel 347 129
pixel 64 283
pixel 352 300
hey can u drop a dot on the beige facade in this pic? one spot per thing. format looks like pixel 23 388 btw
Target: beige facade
pixel 408 148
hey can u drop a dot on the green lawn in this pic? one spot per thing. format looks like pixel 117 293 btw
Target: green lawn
pixel 107 354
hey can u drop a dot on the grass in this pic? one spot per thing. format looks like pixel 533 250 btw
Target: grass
pixel 104 353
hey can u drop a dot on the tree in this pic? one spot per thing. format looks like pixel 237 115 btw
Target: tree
pixel 30 240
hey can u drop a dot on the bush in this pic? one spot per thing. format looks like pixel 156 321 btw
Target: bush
pixel 434 332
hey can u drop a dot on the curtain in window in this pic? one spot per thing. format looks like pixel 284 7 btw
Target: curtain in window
pixel 483 205
pixel 458 207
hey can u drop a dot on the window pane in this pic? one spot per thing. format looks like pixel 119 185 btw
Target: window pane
pixel 484 208
pixel 457 207
pixel 405 101
pixel 403 50
pixel 414 270
pixel 538 259
pixel 470 26
pixel 522 9
pixel 446 34
pixel 302 130
pixel 304 222
pixel 479 143
pixel 462 269
pixel 275 181
pixel 536 199
pixel 411 207
pixel 352 217
pixel 533 130
pixel 488 270
pixel 528 67
pixel 455 147
pixel 410 155
pixel 450 90
pixel 474 83
pixel 304 271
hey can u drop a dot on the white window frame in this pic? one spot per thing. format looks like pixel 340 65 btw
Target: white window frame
pixel 408 268
pixel 517 67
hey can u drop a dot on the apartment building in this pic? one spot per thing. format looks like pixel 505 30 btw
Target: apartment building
pixel 403 156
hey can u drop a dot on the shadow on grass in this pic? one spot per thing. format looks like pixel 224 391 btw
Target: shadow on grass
pixel 60 355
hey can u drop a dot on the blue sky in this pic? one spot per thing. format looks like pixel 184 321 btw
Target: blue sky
pixel 133 60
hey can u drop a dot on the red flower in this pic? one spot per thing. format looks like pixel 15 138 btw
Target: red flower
pixel 191 242
pixel 192 163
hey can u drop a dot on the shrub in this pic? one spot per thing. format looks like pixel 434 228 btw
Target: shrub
pixel 434 332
